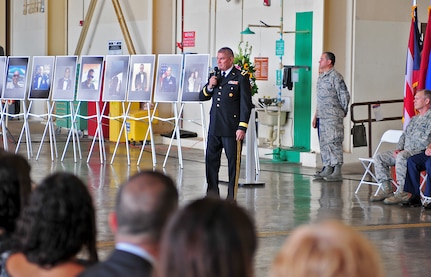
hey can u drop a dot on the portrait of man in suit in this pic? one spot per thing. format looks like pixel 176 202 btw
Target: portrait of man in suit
pixel 41 79
pixel 141 81
pixel 65 83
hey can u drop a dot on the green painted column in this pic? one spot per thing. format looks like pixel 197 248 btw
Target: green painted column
pixel 302 89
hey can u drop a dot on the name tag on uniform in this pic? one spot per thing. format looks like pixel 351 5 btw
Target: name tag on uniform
pixel 233 82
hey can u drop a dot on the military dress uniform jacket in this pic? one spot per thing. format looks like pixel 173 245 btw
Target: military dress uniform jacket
pixel 231 106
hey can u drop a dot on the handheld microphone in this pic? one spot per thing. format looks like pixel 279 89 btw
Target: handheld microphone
pixel 217 73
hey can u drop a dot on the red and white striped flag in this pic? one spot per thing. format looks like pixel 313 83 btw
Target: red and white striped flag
pixel 413 62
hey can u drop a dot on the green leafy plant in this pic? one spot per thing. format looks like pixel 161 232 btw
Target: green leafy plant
pixel 243 63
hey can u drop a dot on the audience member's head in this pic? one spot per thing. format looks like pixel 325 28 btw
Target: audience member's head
pixel 209 237
pixel 329 249
pixel 15 187
pixel 144 204
pixel 58 222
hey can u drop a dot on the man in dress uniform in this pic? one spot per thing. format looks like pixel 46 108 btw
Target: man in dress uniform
pixel 229 115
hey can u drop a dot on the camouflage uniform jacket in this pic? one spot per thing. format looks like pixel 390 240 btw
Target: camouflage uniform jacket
pixel 332 95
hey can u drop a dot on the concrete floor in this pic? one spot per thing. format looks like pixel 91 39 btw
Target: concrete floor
pixel 290 197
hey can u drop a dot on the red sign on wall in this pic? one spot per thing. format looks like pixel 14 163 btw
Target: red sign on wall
pixel 261 67
pixel 189 39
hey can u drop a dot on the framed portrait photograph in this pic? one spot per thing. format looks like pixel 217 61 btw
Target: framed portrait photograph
pixel 15 86
pixel 90 78
pixel 63 87
pixel 196 67
pixel 3 60
pixel 141 78
pixel 116 77
pixel 169 69
pixel 41 77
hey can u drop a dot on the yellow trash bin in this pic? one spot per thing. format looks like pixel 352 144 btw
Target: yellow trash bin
pixel 137 129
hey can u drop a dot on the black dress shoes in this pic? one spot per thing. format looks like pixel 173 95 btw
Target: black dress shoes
pixel 414 201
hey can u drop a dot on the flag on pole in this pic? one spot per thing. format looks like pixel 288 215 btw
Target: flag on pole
pixel 425 69
pixel 413 62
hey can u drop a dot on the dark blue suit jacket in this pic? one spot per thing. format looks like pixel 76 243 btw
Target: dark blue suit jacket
pixel 120 263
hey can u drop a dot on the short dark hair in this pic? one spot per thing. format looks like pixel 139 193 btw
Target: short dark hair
pixel 58 222
pixel 330 56
pixel 145 203
pixel 209 237
pixel 227 51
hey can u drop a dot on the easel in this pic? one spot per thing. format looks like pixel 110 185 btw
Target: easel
pixel 25 129
pixel 190 94
pixel 175 133
pixel 203 123
pixel 66 93
pixel 126 116
pixel 148 134
pixel 73 131
pixel 143 96
pixel 4 114
pixel 48 127
pixel 98 135
pixel 123 117
pixel 171 94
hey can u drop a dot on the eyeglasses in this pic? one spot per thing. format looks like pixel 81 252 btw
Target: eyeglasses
pixel 90 76
pixel 15 75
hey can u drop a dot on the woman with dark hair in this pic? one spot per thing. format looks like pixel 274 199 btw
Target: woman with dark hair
pixel 15 187
pixel 57 224
pixel 209 237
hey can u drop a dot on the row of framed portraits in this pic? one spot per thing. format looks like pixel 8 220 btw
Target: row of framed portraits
pixel 111 78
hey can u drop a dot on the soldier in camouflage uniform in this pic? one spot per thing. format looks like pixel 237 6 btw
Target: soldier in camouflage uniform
pixel 332 106
pixel 414 140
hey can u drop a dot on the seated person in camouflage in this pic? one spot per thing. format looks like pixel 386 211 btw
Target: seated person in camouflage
pixel 414 140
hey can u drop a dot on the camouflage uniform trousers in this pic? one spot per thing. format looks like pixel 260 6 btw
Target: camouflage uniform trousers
pixel 331 135
pixel 384 161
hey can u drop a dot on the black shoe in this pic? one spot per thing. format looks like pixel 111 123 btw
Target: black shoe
pixel 427 206
pixel 414 201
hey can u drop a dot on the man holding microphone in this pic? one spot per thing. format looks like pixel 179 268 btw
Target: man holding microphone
pixel 230 112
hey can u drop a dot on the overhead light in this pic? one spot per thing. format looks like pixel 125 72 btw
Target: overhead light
pixel 247 31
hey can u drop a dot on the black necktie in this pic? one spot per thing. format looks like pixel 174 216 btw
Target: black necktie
pixel 223 74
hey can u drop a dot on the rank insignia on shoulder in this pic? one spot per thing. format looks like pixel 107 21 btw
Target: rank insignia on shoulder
pixel 244 72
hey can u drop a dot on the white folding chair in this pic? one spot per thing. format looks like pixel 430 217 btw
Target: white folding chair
pixel 425 199
pixel 369 178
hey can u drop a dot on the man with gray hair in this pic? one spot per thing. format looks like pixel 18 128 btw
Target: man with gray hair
pixel 414 140
pixel 143 206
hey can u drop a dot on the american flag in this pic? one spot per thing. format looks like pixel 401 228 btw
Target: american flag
pixel 163 68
